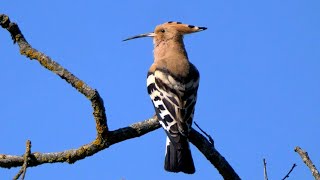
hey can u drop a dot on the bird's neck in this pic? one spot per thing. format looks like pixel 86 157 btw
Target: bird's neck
pixel 171 54
pixel 169 49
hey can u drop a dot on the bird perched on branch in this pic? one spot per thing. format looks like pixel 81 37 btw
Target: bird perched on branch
pixel 172 83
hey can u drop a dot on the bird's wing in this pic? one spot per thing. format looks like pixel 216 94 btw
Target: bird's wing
pixel 174 100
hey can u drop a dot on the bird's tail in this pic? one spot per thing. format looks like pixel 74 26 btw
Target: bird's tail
pixel 178 156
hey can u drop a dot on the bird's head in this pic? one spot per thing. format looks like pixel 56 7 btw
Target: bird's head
pixel 170 30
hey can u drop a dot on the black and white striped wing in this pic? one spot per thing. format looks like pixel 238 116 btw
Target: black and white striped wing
pixel 174 100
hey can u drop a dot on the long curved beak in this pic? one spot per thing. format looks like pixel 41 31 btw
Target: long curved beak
pixel 140 36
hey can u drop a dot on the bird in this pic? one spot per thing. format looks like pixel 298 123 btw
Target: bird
pixel 172 84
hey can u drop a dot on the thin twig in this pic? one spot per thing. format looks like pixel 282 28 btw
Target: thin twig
pixel 26 156
pixel 305 158
pixel 209 137
pixel 287 176
pixel 265 169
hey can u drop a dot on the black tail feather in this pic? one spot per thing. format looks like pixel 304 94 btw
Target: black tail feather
pixel 179 159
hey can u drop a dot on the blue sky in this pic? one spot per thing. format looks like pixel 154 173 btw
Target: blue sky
pixel 258 98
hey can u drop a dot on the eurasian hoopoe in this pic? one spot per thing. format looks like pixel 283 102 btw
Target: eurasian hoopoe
pixel 172 85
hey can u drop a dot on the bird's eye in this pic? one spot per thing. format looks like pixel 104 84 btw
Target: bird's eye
pixel 162 30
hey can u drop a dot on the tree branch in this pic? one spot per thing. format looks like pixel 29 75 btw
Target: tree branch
pixel 287 175
pixel 104 138
pixel 209 151
pixel 73 155
pixel 265 169
pixel 305 158
pixel 26 157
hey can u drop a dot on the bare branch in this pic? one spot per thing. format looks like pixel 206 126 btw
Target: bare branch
pixel 119 135
pixel 265 169
pixel 209 151
pixel 96 101
pixel 305 158
pixel 287 176
pixel 48 63
pixel 73 155
pixel 26 157
pixel 104 138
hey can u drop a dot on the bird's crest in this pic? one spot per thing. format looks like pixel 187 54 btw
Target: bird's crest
pixel 183 28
